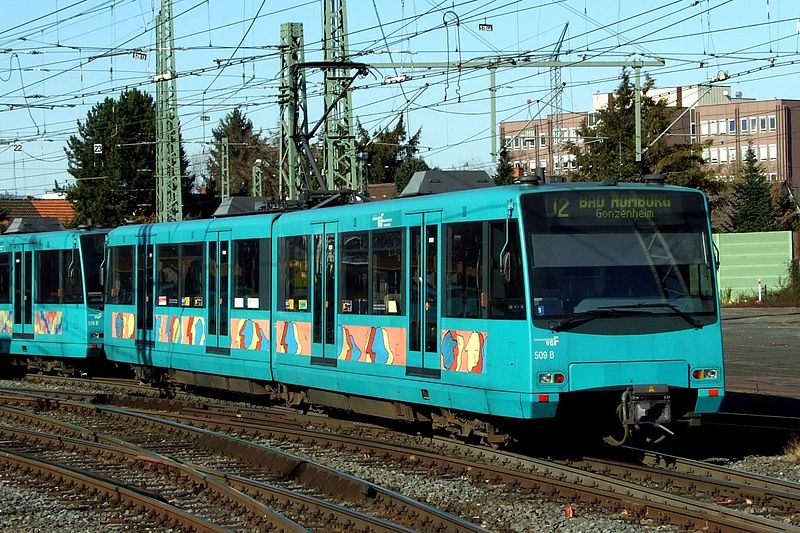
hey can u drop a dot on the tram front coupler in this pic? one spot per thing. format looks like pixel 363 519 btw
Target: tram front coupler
pixel 648 405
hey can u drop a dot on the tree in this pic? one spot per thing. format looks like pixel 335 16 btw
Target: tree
pixel 245 146
pixel 784 211
pixel 113 161
pixel 608 150
pixel 504 174
pixel 387 150
pixel 752 205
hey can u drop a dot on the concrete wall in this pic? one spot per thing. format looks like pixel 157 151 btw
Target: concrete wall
pixel 747 257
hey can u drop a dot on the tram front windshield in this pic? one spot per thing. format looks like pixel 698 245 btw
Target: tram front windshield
pixel 599 255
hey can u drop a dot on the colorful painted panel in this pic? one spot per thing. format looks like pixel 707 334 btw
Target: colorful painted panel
pixel 463 351
pixel 250 334
pixel 370 344
pixel 293 337
pixel 168 328
pixel 6 321
pixel 123 325
pixel 194 330
pixel 48 323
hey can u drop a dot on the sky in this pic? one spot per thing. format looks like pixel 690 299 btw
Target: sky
pixel 58 58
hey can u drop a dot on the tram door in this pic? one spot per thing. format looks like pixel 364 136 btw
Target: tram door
pixel 423 308
pixel 145 340
pixel 23 294
pixel 218 340
pixel 323 329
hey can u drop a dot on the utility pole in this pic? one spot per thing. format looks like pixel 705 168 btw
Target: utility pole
pixel 557 89
pixel 169 205
pixel 225 170
pixel 257 190
pixel 340 144
pixel 292 105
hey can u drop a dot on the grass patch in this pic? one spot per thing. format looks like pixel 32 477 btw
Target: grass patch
pixel 792 449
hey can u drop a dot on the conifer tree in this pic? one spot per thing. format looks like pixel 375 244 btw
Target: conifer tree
pixel 504 174
pixel 113 158
pixel 752 204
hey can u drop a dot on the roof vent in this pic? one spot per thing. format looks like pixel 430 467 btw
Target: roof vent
pixel 655 179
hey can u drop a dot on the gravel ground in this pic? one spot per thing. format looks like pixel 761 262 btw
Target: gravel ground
pixel 494 507
pixel 776 467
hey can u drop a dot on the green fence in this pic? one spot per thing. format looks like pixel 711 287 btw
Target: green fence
pixel 746 258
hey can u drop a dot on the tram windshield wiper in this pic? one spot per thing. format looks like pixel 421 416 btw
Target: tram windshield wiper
pixel 615 311
pixel 661 305
pixel 587 316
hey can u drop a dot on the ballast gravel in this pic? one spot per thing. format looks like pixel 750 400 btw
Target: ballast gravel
pixel 494 507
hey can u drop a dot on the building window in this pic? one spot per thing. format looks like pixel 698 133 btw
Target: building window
pixel 732 126
pixel 753 124
pixel 723 124
pixel 706 155
pixel 743 125
pixel 763 152
pixel 712 127
pixel 731 154
pixel 772 123
pixel 704 127
pixel 773 152
pixel 714 156
pixel 762 123
pixel 723 155
pixel 773 176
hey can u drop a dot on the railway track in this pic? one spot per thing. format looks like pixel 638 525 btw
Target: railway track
pixel 256 478
pixel 591 483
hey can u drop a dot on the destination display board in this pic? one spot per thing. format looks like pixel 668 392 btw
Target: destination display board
pixel 613 207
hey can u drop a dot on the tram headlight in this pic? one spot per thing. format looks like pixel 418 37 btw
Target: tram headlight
pixel 551 378
pixel 704 373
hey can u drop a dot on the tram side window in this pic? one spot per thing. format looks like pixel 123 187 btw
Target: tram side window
pixel 192 273
pixel 47 277
pixel 167 273
pixel 464 282
pixel 120 275
pixel 251 263
pixel 506 280
pixel 354 272
pixel 5 278
pixel 293 273
pixel 387 272
pixel 71 277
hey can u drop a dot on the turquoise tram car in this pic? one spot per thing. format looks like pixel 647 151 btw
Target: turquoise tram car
pixel 474 310
pixel 51 296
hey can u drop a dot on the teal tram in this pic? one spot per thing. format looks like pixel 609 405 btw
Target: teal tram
pixel 474 311
pixel 51 296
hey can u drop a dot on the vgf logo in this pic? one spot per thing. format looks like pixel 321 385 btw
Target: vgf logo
pixel 552 342
pixel 382 221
